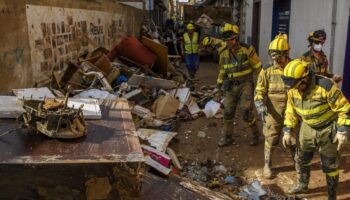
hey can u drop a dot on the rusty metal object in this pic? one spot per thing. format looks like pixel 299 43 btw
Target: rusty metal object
pixel 53 118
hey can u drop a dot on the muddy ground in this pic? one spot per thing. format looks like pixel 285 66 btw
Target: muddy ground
pixel 248 161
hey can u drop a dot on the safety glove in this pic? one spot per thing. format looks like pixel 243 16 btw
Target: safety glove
pixel 261 109
pixel 341 137
pixel 287 138
pixel 217 93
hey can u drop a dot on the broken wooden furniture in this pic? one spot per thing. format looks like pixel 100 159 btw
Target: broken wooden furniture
pixel 109 157
pixel 54 118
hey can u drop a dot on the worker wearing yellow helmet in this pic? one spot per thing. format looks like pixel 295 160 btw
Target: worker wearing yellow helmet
pixel 238 62
pixel 271 99
pixel 189 48
pixel 324 113
pixel 214 42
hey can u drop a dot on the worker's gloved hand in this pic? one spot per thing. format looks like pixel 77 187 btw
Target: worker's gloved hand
pixel 217 93
pixel 261 108
pixel 341 138
pixel 337 78
pixel 287 137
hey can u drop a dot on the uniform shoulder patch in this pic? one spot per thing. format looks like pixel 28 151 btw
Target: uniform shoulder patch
pixel 324 82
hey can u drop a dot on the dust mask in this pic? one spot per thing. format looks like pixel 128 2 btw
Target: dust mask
pixel 317 47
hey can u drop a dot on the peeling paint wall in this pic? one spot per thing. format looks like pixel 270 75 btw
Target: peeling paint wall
pixel 21 65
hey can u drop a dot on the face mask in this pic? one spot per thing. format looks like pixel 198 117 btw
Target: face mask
pixel 317 47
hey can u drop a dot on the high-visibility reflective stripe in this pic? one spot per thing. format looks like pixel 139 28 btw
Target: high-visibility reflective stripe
pixel 191 46
pixel 335 173
pixel 342 121
pixel 313 111
pixel 241 73
pixel 322 120
pixel 256 66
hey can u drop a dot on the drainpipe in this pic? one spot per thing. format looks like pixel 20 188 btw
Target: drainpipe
pixel 334 23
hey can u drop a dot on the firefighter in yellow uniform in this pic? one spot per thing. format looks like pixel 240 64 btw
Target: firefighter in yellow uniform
pixel 238 62
pixel 189 48
pixel 271 99
pixel 317 58
pixel 213 42
pixel 325 117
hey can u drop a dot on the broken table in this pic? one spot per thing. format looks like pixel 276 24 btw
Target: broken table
pixel 34 165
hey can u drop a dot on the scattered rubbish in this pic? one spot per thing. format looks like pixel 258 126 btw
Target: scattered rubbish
pixel 53 118
pixel 33 93
pixel 151 82
pixel 10 107
pixel 165 106
pixel 229 179
pixel 211 108
pixel 220 169
pixel 253 191
pixel 174 158
pixel 201 134
pixel 156 155
pixel 156 165
pixel 95 94
pixel 156 138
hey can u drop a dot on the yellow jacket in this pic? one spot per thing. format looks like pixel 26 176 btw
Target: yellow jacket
pixel 319 105
pixel 239 65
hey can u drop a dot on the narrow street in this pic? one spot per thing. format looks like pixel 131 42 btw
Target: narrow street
pixel 247 161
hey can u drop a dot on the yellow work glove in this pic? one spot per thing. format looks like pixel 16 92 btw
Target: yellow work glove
pixel 341 138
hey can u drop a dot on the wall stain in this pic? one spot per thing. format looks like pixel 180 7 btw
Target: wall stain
pixel 9 59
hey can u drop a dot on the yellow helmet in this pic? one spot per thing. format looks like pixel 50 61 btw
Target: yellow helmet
pixel 230 31
pixel 190 26
pixel 207 41
pixel 294 72
pixel 280 43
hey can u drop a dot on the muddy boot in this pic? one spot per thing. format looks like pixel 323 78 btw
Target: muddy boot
pixel 226 138
pixel 332 185
pixel 302 185
pixel 267 167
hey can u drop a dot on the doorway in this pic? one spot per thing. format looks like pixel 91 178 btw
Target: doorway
pixel 346 73
pixel 256 24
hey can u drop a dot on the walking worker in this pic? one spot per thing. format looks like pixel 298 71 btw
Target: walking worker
pixel 316 56
pixel 325 117
pixel 271 100
pixel 189 48
pixel 238 63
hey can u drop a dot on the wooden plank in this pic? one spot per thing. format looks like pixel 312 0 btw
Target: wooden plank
pixel 162 63
pixel 10 107
pixel 151 82
pixel 34 93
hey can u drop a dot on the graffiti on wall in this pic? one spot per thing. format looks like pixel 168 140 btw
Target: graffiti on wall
pixel 57 35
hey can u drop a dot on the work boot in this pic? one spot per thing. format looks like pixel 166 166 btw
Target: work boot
pixel 332 185
pixel 226 138
pixel 267 167
pixel 302 185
